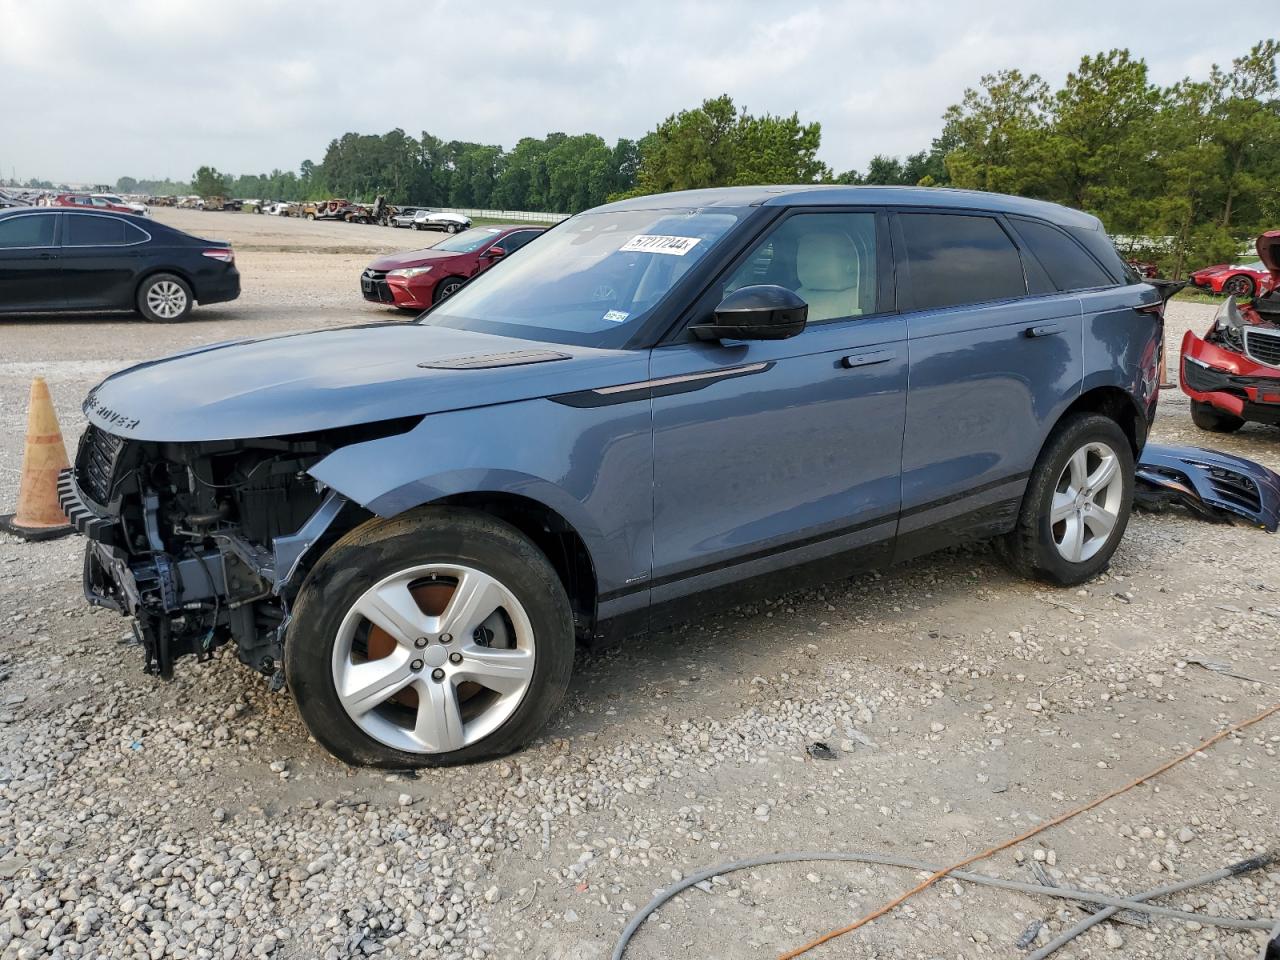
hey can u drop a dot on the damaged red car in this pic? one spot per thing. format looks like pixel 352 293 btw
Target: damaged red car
pixel 1232 373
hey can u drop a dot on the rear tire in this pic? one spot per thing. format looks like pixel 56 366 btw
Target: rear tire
pixel 164 298
pixel 428 703
pixel 1076 505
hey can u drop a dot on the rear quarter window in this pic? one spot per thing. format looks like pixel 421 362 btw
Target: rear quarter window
pixel 1069 267
pixel 956 259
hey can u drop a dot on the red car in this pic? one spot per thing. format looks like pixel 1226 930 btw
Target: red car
pixel 98 201
pixel 1232 373
pixel 1235 279
pixel 420 278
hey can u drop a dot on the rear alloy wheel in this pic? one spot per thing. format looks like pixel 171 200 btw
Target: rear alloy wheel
pixel 1239 286
pixel 1076 505
pixel 441 637
pixel 164 298
pixel 1208 417
pixel 446 288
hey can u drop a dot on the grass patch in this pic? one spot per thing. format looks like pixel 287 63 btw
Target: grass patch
pixel 1196 295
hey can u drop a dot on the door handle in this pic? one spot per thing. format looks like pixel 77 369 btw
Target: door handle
pixel 46 256
pixel 867 359
pixel 1044 330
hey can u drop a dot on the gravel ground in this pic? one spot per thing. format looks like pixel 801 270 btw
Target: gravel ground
pixel 197 819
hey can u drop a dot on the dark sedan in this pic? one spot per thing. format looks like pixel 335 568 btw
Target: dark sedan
pixel 58 258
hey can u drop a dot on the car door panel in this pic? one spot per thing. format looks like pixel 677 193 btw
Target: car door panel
pixel 987 382
pixel 100 276
pixel 791 455
pixel 30 274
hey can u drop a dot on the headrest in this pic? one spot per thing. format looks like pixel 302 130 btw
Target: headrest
pixel 826 260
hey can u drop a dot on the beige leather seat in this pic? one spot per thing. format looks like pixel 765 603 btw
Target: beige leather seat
pixel 827 267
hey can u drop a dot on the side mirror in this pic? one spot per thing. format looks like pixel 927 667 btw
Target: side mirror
pixel 493 253
pixel 760 312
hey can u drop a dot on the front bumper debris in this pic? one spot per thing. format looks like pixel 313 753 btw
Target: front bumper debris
pixel 1211 484
pixel 1229 381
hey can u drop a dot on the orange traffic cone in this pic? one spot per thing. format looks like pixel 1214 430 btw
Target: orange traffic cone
pixel 39 517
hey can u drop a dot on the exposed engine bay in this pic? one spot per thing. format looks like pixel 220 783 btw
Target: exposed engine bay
pixel 204 543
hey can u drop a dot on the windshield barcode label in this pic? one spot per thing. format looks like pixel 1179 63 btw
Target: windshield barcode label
pixel 653 243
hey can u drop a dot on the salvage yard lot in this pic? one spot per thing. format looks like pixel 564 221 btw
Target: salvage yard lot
pixel 195 818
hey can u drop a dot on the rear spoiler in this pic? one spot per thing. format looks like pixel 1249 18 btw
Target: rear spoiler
pixel 1167 288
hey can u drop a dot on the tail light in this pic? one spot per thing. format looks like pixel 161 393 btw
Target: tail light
pixel 225 254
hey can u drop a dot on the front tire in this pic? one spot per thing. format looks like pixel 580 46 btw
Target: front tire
pixel 1076 505
pixel 440 637
pixel 1208 417
pixel 447 288
pixel 164 298
pixel 1239 286
pixel 452 228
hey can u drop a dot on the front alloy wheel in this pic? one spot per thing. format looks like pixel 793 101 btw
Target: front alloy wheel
pixel 1238 286
pixel 441 636
pixel 433 658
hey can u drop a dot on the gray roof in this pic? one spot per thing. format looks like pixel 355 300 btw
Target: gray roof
pixel 832 195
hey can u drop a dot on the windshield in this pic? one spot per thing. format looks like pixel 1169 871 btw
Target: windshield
pixel 592 280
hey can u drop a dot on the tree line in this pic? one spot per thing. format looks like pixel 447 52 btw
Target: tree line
pixel 1194 167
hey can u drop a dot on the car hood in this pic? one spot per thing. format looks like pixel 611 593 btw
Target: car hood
pixel 1269 252
pixel 413 258
pixel 325 379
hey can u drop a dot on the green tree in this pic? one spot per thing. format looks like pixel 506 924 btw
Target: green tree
pixel 995 134
pixel 126 185
pixel 716 145
pixel 208 182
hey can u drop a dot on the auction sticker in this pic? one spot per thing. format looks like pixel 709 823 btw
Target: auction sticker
pixel 616 316
pixel 655 243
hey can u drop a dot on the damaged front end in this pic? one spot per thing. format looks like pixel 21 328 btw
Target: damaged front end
pixel 202 543
pixel 1235 367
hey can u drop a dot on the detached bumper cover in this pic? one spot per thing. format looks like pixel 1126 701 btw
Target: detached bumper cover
pixel 1211 483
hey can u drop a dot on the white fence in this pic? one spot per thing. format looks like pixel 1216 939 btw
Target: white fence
pixel 504 214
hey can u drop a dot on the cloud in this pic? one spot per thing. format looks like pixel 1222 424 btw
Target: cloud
pixel 93 91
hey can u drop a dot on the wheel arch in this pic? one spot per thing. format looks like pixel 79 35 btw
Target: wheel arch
pixel 178 272
pixel 1116 403
pixel 551 533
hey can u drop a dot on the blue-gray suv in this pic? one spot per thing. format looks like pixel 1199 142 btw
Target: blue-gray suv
pixel 652 407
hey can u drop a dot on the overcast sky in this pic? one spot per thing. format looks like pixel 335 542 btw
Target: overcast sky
pixel 94 90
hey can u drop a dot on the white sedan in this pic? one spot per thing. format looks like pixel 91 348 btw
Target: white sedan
pixel 448 222
pixel 104 199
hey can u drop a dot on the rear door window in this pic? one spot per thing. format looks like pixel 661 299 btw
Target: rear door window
pixel 514 241
pixel 956 259
pixel 95 231
pixel 29 230
pixel 1066 262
